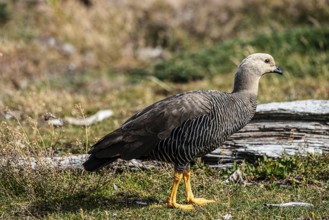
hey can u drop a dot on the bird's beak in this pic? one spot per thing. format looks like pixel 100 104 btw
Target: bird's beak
pixel 278 70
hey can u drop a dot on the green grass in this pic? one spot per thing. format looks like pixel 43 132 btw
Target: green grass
pixel 53 194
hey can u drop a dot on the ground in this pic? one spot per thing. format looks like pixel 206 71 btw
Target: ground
pixel 77 60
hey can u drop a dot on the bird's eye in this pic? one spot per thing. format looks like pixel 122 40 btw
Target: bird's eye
pixel 267 60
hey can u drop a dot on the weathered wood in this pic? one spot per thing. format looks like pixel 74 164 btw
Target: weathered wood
pixel 74 162
pixel 290 204
pixel 304 110
pixel 277 128
pixel 286 127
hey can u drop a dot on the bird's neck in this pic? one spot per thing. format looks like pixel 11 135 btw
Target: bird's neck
pixel 245 82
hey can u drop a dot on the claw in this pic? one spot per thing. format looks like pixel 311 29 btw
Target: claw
pixel 180 206
pixel 189 195
pixel 200 201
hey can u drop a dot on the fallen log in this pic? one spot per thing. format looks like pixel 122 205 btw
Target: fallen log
pixel 291 128
pixel 74 162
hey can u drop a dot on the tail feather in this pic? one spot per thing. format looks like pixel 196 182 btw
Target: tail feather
pixel 94 164
pixel 118 144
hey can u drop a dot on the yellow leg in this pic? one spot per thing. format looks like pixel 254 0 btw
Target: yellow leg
pixel 172 199
pixel 189 195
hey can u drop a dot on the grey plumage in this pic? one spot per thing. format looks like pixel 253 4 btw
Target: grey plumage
pixel 188 125
pixel 199 135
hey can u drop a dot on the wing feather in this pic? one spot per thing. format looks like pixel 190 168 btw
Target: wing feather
pixel 143 131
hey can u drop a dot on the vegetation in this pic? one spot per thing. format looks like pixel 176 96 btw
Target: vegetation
pixel 127 194
pixel 70 59
pixel 306 47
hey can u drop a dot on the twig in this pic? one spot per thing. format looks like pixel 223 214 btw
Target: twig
pixel 99 116
pixel 290 204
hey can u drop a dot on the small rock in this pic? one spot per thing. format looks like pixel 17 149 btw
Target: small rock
pixel 53 120
pixel 236 177
pixel 149 53
pixel 141 203
pixel 68 48
pixel 227 216
pixel 9 115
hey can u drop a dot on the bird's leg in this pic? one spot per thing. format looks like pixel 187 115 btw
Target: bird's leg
pixel 172 199
pixel 189 194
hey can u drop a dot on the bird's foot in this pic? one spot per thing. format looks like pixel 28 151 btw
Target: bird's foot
pixel 200 201
pixel 180 206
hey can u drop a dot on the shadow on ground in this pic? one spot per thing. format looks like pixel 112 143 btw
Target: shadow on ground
pixel 88 202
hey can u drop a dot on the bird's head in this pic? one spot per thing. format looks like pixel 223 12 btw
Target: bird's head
pixel 251 69
pixel 259 63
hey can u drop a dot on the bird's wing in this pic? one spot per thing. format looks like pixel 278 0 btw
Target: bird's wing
pixel 141 133
pixel 163 116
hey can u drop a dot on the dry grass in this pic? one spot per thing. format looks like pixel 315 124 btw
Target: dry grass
pixel 64 58
pixel 65 36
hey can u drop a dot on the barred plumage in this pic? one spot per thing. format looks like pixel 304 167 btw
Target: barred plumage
pixel 185 126
pixel 199 136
